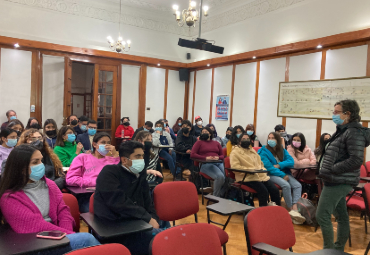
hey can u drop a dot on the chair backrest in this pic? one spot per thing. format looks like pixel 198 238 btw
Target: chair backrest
pixel 367 165
pixel 256 148
pixel 91 205
pixel 224 151
pixel 271 225
pixel 111 249
pixel 190 239
pixel 228 165
pixel 366 195
pixel 363 172
pixel 71 202
pixel 175 200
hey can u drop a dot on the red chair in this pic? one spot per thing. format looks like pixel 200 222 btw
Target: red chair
pixel 91 204
pixel 257 148
pixel 366 195
pixel 202 175
pixel 270 225
pixel 367 165
pixel 190 239
pixel 177 200
pixel 224 151
pixel 111 249
pixel 71 202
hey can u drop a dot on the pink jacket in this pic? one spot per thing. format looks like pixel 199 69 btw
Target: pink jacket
pixel 85 168
pixel 23 215
pixel 302 158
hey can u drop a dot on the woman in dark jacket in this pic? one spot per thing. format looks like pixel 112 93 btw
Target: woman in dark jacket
pixel 340 171
pixel 177 125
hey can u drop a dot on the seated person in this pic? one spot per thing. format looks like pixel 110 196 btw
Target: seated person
pixel 10 115
pixel 215 137
pixel 148 126
pixel 50 132
pixel 285 138
pixel 33 123
pixel 81 126
pixel 86 167
pixel 302 155
pixel 226 138
pixel 320 150
pixel 31 203
pixel 184 144
pixel 16 125
pixel 87 138
pixel 72 120
pixel 197 128
pixel 252 134
pixel 235 137
pixel 168 129
pixel 122 194
pixel 8 139
pixel 244 157
pixel 126 128
pixel 207 149
pixel 177 125
pixel 66 148
pixel 278 162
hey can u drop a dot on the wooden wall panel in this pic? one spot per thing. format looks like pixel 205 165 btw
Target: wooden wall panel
pixel 232 96
pixel 322 77
pixel 211 101
pixel 194 89
pixel 186 100
pixel 165 95
pixel 286 80
pixel 68 88
pixel 36 85
pixel 256 95
pixel 142 95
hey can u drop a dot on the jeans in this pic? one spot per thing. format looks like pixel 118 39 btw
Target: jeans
pixel 289 187
pixel 171 160
pixel 217 173
pixel 83 202
pixel 263 190
pixel 333 201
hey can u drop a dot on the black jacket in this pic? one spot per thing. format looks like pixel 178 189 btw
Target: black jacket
pixel 196 130
pixel 78 130
pixel 120 195
pixel 138 130
pixel 85 140
pixel 184 143
pixel 343 157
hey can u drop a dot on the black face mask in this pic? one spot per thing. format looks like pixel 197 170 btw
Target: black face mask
pixel 204 137
pixel 148 145
pixel 245 144
pixel 38 144
pixel 126 124
pixel 185 130
pixel 35 126
pixel 51 133
pixel 228 136
pixel 19 133
pixel 74 122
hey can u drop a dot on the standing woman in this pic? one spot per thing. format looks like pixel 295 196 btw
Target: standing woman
pixel 319 150
pixel 207 149
pixel 177 125
pixel 278 162
pixel 50 132
pixel 66 147
pixel 16 125
pixel 252 134
pixel 340 171
pixel 8 139
pixel 234 138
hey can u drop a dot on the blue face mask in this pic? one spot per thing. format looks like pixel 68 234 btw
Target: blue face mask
pixel 271 143
pixel 137 166
pixel 102 150
pixel 158 129
pixel 165 125
pixel 146 129
pixel 238 135
pixel 71 138
pixel 37 172
pixel 91 131
pixel 250 132
pixel 13 118
pixel 83 128
pixel 337 120
pixel 11 142
pixel 179 124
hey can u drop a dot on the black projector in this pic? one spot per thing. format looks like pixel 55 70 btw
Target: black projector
pixel 201 44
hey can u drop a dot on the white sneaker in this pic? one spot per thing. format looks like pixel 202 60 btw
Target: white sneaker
pixel 297 218
pixel 271 203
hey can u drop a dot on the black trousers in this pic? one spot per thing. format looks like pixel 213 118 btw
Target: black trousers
pixel 264 189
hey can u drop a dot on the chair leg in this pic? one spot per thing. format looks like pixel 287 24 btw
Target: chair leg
pixel 173 222
pixel 349 237
pixel 201 184
pixel 291 249
pixel 365 223
pixel 367 249
pixel 224 248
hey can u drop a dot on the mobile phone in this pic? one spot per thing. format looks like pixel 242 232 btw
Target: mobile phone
pixel 55 234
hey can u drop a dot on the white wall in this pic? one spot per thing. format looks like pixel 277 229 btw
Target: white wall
pixel 191 91
pixel 244 94
pixel 130 93
pixel 175 97
pixel 53 89
pixel 203 95
pixel 15 83
pixel 155 84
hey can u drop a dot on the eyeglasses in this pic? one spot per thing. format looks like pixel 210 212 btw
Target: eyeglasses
pixel 336 112
pixel 34 139
pixel 91 127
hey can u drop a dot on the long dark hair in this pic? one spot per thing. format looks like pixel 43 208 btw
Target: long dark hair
pixel 50 121
pixel 61 133
pixel 99 136
pixel 303 142
pixel 176 127
pixel 210 132
pixel 318 151
pixel 249 127
pixel 29 122
pixel 279 150
pixel 5 133
pixel 233 138
pixel 214 127
pixel 12 123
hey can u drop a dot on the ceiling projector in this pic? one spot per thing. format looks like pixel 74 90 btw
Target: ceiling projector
pixel 201 44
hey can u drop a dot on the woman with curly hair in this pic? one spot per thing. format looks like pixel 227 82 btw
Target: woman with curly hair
pixel 177 125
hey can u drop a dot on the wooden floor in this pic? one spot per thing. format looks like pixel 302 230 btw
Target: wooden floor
pixel 306 238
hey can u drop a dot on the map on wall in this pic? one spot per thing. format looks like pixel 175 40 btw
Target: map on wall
pixel 316 99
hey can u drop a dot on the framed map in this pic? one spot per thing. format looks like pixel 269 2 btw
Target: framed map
pixel 316 99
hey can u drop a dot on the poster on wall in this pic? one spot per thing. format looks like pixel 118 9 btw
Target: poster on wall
pixel 222 107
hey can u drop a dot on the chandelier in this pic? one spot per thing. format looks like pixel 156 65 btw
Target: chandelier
pixel 119 46
pixel 189 16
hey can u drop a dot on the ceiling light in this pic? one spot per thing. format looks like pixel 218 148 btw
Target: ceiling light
pixel 158 64
pixel 208 64
pixel 205 9
pixel 175 7
pixel 16 45
pixel 319 46
pixel 254 57
pixel 193 4
pixel 190 15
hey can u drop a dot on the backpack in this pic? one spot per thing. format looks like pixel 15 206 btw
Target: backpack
pixel 307 209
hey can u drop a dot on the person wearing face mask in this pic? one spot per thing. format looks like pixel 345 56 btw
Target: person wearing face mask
pixel 168 129
pixel 177 125
pixel 122 194
pixel 278 162
pixel 87 138
pixel 86 167
pixel 10 115
pixel 31 203
pixel 226 138
pixel 82 125
pixel 244 157
pixel 197 128
pixel 184 143
pixel 50 132
pixel 16 125
pixel 66 147
pixel 323 140
pixel 72 120
pixel 285 138
pixel 215 136
pixel 8 139
pixel 126 128
pixel 251 131
pixel 207 149
pixel 33 123
pixel 234 138
pixel 148 126
pixel 340 165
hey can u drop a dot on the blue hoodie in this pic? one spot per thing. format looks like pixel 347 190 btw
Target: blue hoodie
pixel 269 161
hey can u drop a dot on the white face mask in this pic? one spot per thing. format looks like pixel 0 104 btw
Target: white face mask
pixel 199 123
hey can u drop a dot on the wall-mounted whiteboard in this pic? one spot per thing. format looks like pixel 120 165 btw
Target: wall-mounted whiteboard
pixel 316 99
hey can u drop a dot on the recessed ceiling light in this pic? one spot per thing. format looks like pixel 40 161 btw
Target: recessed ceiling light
pixel 16 45
pixel 208 64
pixel 319 46
pixel 158 64
pixel 254 57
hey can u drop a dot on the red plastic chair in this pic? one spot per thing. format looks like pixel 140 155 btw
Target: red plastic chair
pixel 224 151
pixel 111 249
pixel 367 165
pixel 257 148
pixel 190 239
pixel 363 173
pixel 91 205
pixel 72 203
pixel 202 175
pixel 366 195
pixel 177 200
pixel 271 225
